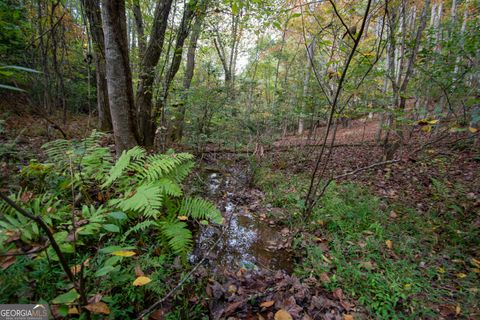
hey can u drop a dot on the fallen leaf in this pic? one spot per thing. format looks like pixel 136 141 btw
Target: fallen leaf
pixel 324 277
pixel 98 308
pixel 141 281
pixel 7 261
pixel 138 271
pixel 124 253
pixel 461 275
pixel 73 310
pixel 347 317
pixel 472 129
pixel 267 304
pixel 389 244
pixel 75 269
pixel 232 307
pixel 282 315
pixel 182 218
pixel 475 262
pixel 338 293
pixel 26 196
pixel 232 288
pixel 367 265
pixel 393 214
pixel 427 129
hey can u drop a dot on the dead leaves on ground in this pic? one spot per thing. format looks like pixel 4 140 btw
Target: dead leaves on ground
pixel 274 296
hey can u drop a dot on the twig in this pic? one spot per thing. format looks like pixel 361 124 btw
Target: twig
pixel 44 226
pixel 37 250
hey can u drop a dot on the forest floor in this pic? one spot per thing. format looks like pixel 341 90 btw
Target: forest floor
pixel 399 241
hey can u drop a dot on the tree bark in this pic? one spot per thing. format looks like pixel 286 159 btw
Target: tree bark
pixel 305 85
pixel 137 13
pixel 182 34
pixel 119 78
pixel 146 124
pixel 189 72
pixel 94 17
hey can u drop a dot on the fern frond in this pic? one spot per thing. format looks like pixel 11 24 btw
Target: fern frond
pixel 146 199
pixel 178 235
pixel 199 208
pixel 181 172
pixel 169 187
pixel 141 226
pixel 122 163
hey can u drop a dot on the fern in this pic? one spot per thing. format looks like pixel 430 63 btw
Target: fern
pixel 123 163
pixel 178 235
pixel 141 226
pixel 169 187
pixel 199 208
pixel 147 200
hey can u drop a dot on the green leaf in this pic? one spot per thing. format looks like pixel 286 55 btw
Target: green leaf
pixel 19 68
pixel 65 298
pixel 111 249
pixel 118 215
pixel 104 271
pixel 111 228
pixel 4 86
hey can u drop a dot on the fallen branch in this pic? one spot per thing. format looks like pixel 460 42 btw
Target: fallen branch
pixel 351 173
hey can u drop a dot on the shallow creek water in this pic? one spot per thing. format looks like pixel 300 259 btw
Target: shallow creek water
pixel 248 241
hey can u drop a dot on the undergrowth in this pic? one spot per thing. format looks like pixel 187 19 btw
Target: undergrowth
pixel 394 260
pixel 115 221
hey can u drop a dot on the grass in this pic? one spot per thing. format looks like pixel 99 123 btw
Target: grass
pixel 397 262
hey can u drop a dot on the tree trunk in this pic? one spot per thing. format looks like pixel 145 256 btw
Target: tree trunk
pixel 94 17
pixel 305 86
pixel 119 78
pixel 137 13
pixel 189 71
pixel 146 125
pixel 182 35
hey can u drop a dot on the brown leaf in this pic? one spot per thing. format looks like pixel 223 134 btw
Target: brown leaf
pixel 267 304
pixel 338 293
pixel 95 298
pixel 389 244
pixel 324 277
pixel 7 261
pixel 138 271
pixel 98 308
pixel 232 307
pixel 26 196
pixel 282 315
pixel 393 214
pixel 367 265
pixel 75 269
pixel 347 317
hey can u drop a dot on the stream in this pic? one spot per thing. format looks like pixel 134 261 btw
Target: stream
pixel 251 240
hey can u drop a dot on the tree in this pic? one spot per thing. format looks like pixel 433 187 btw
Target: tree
pixel 146 119
pixel 119 78
pixel 93 13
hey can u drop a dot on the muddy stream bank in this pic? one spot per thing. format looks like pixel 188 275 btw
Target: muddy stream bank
pixel 251 240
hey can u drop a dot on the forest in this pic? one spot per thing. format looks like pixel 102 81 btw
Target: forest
pixel 240 159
